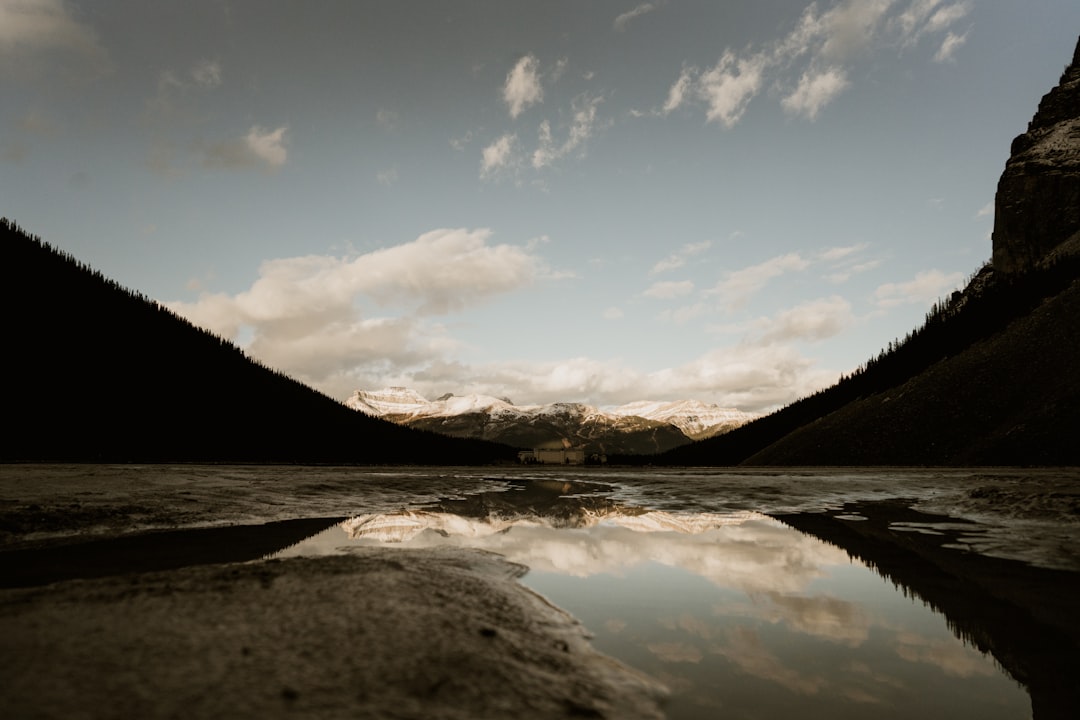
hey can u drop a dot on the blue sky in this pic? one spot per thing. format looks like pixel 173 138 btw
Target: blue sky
pixel 551 201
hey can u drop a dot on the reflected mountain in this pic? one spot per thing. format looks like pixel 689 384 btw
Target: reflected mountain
pixel 765 582
pixel 1025 616
pixel 556 504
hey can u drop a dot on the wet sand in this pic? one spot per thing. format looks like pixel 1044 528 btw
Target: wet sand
pixel 445 633
pixel 106 612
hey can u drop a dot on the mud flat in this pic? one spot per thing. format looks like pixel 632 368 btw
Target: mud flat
pixel 443 633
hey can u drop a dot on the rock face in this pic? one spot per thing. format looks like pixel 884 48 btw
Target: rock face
pixel 1037 207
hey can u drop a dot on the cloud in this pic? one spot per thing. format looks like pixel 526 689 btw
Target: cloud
pixel 678 259
pixel 809 67
pixel 728 87
pixel 813 320
pixel 927 16
pixel 498 155
pixel 925 288
pixel 750 377
pixel 669 290
pixel 612 313
pixel 815 91
pixel 43 32
pixel 625 18
pixel 986 210
pixel 207 74
pixel 582 127
pixel 839 253
pixel 259 148
pixel 387 177
pixel 387 119
pixel 738 286
pixel 679 91
pixel 326 319
pixel 949 46
pixel 522 87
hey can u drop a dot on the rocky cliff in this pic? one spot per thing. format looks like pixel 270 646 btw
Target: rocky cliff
pixel 991 377
pixel 1037 207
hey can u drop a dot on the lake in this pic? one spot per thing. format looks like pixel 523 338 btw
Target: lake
pixel 750 594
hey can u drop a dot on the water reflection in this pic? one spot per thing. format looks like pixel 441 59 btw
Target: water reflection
pixel 740 614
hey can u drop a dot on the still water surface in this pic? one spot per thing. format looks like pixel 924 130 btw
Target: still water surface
pixel 740 615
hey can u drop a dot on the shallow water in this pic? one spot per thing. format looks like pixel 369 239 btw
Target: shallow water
pixel 738 613
pixel 682 574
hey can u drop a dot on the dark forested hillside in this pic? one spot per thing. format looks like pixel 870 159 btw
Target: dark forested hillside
pixel 991 378
pixel 94 372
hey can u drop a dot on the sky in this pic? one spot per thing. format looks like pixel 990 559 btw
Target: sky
pixel 571 201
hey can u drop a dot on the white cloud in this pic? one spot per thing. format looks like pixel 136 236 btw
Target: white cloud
pixel 925 288
pixel 613 313
pixel 750 377
pixel 738 286
pixel 207 74
pixel 815 91
pixel 728 87
pixel 498 155
pixel 267 145
pixel 625 18
pixel 679 91
pixel 844 272
pixel 839 253
pixel 946 16
pixel 986 210
pixel 669 290
pixel 315 316
pixel 522 87
pixel 812 320
pixel 45 31
pixel 927 16
pixel 949 46
pixel 581 128
pixel 678 259
pixel 259 148
pixel 387 177
pixel 851 26
pixel 811 65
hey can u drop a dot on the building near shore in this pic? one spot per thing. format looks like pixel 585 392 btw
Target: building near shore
pixel 552 456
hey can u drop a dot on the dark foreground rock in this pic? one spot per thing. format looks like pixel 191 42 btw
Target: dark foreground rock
pixel 445 633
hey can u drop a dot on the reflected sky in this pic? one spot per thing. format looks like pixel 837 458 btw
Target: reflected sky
pixel 739 614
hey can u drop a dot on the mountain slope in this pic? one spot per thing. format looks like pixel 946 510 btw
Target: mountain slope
pixel 991 377
pixel 94 372
pixel 635 429
pixel 1012 399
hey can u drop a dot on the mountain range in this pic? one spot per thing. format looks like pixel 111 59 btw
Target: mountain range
pixel 638 428
pixel 94 372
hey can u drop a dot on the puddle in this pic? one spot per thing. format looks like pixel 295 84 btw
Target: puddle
pixel 738 613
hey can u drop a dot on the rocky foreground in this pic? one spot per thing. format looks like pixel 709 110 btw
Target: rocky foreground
pixel 445 633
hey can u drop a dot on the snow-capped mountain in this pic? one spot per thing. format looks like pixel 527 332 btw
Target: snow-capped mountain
pixel 637 428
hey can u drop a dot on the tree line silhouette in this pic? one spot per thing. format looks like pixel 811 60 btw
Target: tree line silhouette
pixel 991 302
pixel 96 372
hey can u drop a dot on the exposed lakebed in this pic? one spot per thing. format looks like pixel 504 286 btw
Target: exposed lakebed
pixel 755 594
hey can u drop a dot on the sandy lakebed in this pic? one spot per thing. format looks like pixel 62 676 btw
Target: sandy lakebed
pixel 196 591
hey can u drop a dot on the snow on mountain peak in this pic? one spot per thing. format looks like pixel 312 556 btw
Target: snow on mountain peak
pixel 694 418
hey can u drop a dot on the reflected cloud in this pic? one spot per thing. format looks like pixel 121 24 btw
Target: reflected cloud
pixel 954 659
pixel 774 599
